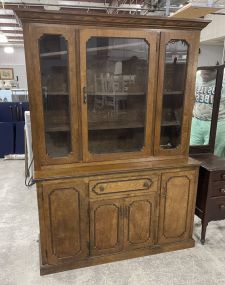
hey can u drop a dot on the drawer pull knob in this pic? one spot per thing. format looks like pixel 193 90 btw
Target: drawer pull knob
pixel 223 176
pixel 222 207
pixel 147 184
pixel 101 188
pixel 222 191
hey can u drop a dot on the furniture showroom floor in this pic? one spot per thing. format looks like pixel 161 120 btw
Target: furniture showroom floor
pixel 19 257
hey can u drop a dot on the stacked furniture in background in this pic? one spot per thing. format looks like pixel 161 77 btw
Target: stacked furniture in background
pixel 12 127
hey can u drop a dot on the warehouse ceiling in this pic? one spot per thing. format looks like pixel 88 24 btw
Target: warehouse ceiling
pixel 10 26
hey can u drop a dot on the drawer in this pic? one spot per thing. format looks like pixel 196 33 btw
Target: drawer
pixel 216 208
pixel 123 186
pixel 218 175
pixel 217 188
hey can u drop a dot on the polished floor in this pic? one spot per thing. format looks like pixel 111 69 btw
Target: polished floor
pixel 19 260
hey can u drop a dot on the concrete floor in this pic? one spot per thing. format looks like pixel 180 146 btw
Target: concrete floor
pixel 19 260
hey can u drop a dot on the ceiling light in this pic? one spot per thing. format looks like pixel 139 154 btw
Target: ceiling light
pixel 8 49
pixel 3 38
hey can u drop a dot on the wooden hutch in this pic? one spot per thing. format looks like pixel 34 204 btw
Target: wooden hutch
pixel 111 99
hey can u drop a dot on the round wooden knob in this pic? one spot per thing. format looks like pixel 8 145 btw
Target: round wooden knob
pixel 146 184
pixel 222 207
pixel 101 188
pixel 222 191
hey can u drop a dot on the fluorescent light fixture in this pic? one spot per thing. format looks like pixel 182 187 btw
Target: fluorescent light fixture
pixel 3 38
pixel 8 49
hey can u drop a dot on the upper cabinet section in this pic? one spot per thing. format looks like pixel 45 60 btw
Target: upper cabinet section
pixel 178 56
pixel 104 88
pixel 118 87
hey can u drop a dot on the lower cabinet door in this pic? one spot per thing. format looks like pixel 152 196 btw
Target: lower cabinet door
pixel 66 221
pixel 140 221
pixel 106 226
pixel 177 206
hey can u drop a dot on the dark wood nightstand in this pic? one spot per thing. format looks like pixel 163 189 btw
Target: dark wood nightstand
pixel 210 204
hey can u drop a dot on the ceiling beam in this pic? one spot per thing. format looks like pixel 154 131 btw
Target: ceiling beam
pixel 12 31
pixel 9 25
pixel 14 38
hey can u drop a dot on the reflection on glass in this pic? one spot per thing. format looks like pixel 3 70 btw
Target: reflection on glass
pixel 55 94
pixel 203 107
pixel 173 93
pixel 117 71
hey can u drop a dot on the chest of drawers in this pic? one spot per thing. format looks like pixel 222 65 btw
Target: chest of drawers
pixel 210 204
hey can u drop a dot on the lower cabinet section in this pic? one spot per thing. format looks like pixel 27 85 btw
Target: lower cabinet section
pixel 75 227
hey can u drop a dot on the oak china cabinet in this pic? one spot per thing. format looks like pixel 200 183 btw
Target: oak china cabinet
pixel 111 100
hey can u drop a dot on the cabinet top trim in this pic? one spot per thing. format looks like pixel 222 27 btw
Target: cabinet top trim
pixel 84 19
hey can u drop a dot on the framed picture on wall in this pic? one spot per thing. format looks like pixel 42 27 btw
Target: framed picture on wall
pixel 6 74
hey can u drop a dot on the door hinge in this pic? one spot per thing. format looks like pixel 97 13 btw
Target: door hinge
pixel 84 95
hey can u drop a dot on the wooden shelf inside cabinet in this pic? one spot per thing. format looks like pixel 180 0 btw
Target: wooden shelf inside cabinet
pixel 114 125
pixel 63 128
pixel 116 94
pixel 58 93
pixel 171 124
pixel 173 92
pixel 53 54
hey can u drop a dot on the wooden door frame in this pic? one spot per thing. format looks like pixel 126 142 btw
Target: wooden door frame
pixel 151 37
pixel 36 103
pixel 192 39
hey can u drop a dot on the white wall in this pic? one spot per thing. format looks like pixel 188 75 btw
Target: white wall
pixel 210 54
pixel 214 30
pixel 16 61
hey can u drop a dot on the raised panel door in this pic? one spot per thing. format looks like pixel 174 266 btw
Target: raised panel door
pixel 106 226
pixel 140 221
pixel 176 206
pixel 66 220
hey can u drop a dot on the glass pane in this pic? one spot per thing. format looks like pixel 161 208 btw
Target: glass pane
pixel 173 93
pixel 220 141
pixel 203 107
pixel 117 72
pixel 55 94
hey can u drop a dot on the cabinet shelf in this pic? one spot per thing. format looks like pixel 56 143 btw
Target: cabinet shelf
pixel 52 54
pixel 170 124
pixel 62 128
pixel 114 125
pixel 52 93
pixel 116 94
pixel 173 92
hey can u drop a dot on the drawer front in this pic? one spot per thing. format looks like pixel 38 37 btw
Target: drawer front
pixel 217 208
pixel 218 175
pixel 123 186
pixel 217 188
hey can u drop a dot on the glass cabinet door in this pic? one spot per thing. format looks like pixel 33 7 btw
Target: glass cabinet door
pixel 57 114
pixel 174 94
pixel 116 93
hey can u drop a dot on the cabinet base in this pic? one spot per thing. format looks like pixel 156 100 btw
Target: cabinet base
pixel 48 269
